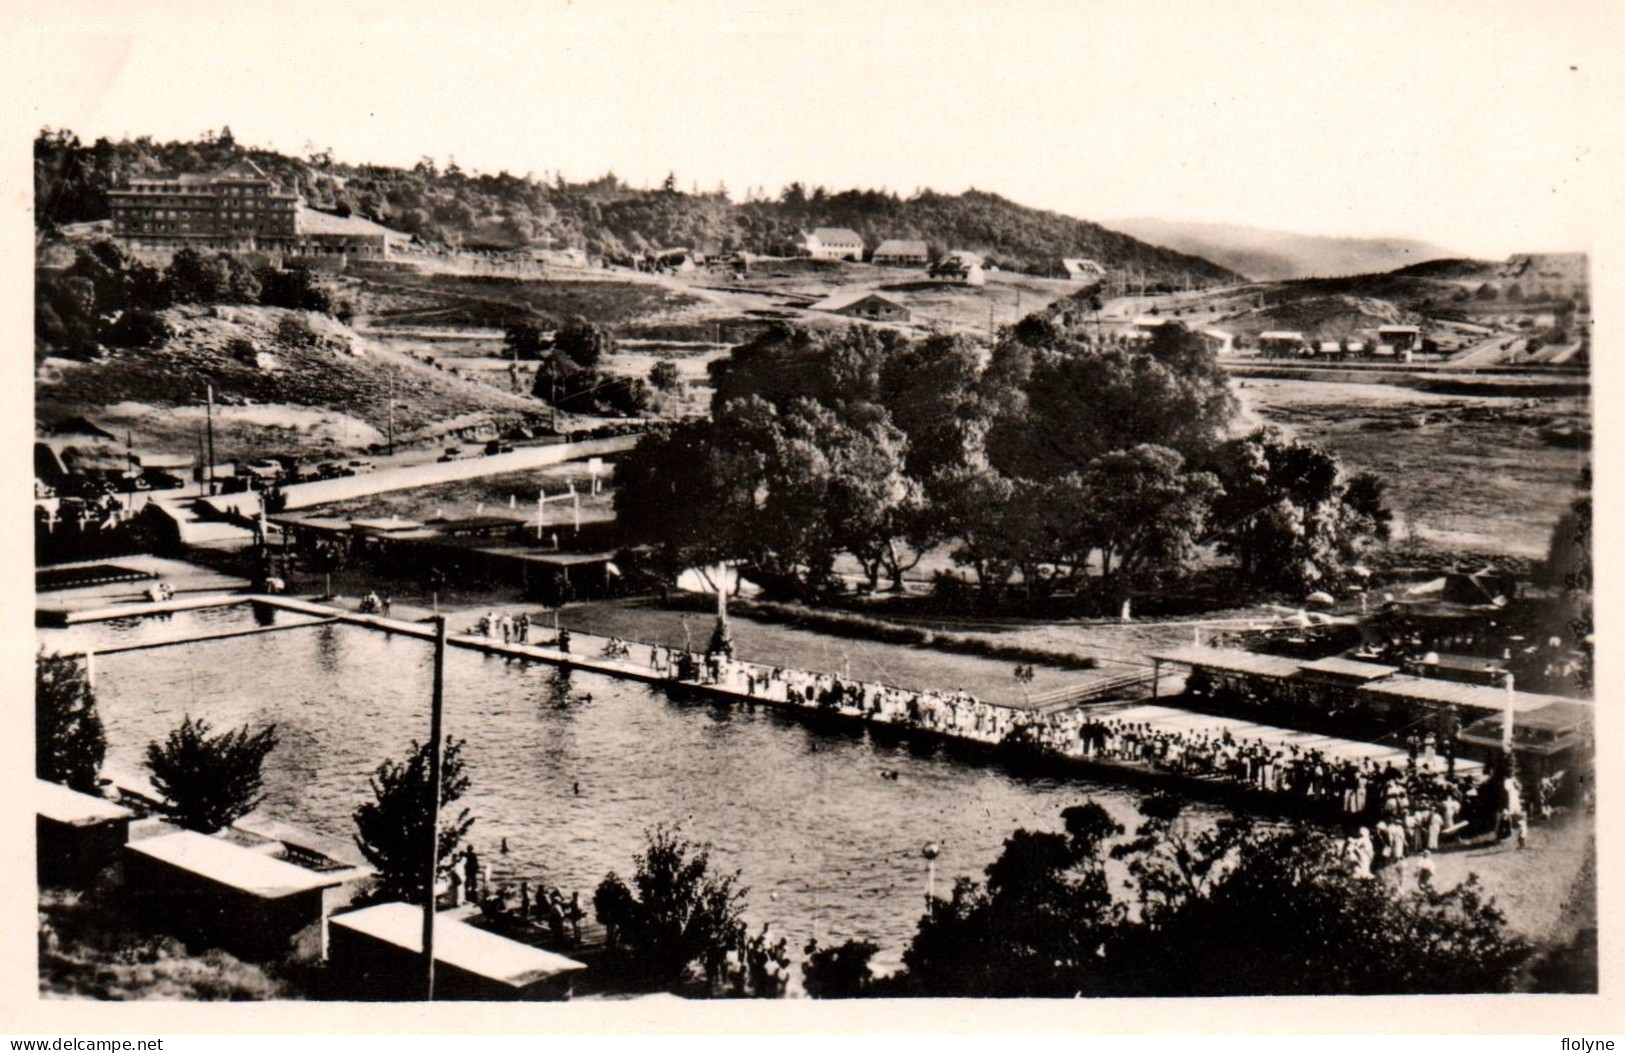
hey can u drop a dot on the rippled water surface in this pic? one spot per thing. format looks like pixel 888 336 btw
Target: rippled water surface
pixel 826 846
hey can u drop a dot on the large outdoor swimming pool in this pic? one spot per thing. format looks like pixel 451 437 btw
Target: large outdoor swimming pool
pixel 827 847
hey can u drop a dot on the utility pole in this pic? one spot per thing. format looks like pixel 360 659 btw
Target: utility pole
pixel 436 707
pixel 392 412
pixel 209 419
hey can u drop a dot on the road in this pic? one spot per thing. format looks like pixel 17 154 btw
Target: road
pixel 383 480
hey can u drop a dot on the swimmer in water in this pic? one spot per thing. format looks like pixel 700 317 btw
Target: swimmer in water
pixel 578 789
pixel 504 846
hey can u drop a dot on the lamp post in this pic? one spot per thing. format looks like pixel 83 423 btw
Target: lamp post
pixel 931 851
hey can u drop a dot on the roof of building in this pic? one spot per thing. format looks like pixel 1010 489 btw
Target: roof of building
pixel 232 865
pixel 837 236
pixel 1150 321
pixel 1281 334
pixel 963 258
pixel 1399 329
pixel 1353 667
pixel 1450 692
pixel 387 526
pixel 1231 660
pixel 312 221
pixel 902 247
pixel 71 808
pixel 458 944
pixel 841 301
pixel 1074 265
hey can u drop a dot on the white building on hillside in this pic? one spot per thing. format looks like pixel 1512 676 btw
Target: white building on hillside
pixel 831 243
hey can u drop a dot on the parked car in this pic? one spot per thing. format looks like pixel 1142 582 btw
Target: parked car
pixel 267 470
pixel 164 480
pixel 360 467
pixel 496 446
pixel 333 470
pixel 453 453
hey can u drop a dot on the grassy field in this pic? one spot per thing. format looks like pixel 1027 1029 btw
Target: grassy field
pixel 1472 473
pixel 918 668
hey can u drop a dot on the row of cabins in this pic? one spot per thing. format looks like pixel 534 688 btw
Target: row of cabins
pixel 1393 341
pixel 1551 733
pixel 265 901
pixel 960 265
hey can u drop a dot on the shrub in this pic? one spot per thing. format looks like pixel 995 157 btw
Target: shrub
pixel 68 740
pixel 294 330
pixel 393 828
pixel 210 781
pixel 680 912
pixel 137 327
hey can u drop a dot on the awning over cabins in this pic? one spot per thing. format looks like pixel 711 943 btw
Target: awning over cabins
pixel 1230 660
pixel 1450 692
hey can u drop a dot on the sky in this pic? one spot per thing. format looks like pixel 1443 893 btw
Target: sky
pixel 1468 124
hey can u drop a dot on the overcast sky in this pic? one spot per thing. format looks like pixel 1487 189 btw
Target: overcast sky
pixel 1468 124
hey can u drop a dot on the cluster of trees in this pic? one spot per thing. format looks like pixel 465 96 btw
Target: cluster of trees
pixel 442 203
pixel 570 375
pixel 1044 464
pixel 1222 910
pixel 107 297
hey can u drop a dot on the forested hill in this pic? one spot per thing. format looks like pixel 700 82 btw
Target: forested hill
pixel 604 216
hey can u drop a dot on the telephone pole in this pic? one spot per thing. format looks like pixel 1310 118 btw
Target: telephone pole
pixel 209 418
pixel 432 873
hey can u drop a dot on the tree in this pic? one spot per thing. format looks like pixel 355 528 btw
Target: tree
pixel 841 971
pixel 210 781
pixel 523 341
pixel 1568 555
pixel 664 377
pixel 1037 928
pixel 675 913
pixel 393 827
pixel 1143 512
pixel 1288 515
pixel 1288 917
pixel 294 289
pixel 682 492
pixel 585 344
pixel 69 743
pixel 137 327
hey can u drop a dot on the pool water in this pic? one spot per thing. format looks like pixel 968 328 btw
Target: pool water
pixel 826 846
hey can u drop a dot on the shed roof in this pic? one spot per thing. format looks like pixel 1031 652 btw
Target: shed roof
pixel 1450 692
pixel 71 808
pixel 311 221
pixel 841 301
pixel 1281 334
pixel 458 944
pixel 1231 660
pixel 232 865
pixel 838 236
pixel 1353 667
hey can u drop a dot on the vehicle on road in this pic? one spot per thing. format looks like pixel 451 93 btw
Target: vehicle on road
pixel 496 446
pixel 453 453
pixel 360 467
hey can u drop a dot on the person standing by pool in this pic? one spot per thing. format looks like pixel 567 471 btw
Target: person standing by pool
pixel 564 641
pixel 471 872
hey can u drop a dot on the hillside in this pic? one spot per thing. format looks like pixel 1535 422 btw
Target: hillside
pixel 604 216
pixel 1274 255
pixel 337 392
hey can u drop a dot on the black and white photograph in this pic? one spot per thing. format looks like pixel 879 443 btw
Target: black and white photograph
pixel 658 504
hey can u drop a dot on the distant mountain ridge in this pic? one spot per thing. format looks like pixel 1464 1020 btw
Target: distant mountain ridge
pixel 1276 255
pixel 604 216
